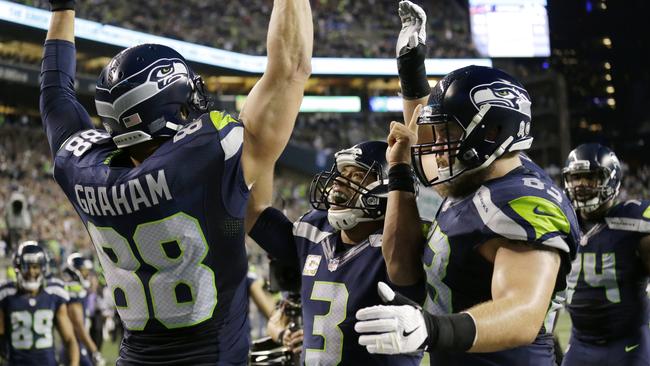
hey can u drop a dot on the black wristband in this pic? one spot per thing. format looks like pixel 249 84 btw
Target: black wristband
pixel 413 74
pixel 400 178
pixel 59 5
pixel 454 333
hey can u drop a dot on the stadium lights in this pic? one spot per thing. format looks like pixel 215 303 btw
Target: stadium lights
pixel 607 42
pixel 611 102
pixel 608 77
pixel 608 66
pixel 121 37
pixel 609 89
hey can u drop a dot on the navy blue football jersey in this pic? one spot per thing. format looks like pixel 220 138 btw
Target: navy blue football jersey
pixel 523 205
pixel 337 280
pixel 606 294
pixel 29 323
pixel 169 236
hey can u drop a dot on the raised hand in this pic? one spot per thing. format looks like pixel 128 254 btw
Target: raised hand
pixel 413 31
pixel 400 139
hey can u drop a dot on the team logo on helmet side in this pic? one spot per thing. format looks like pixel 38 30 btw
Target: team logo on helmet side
pixel 503 94
pixel 166 74
pixel 159 75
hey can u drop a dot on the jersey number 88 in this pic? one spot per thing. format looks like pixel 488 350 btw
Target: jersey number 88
pixel 180 271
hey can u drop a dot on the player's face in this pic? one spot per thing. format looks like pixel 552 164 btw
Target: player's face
pixel 33 272
pixel 443 134
pixel 584 185
pixel 342 193
pixel 84 272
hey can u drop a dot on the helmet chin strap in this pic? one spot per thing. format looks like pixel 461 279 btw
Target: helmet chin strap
pixel 348 218
pixel 30 285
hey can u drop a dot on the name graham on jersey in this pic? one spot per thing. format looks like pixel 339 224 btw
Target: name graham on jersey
pixel 122 199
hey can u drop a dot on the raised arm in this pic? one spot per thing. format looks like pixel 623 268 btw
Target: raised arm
pixel 271 108
pixel 61 112
pixel 403 237
pixel 411 52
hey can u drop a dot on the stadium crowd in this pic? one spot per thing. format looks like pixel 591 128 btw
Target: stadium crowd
pixel 343 28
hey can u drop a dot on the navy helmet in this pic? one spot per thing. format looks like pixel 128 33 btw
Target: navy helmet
pixel 366 196
pixel 29 252
pixel 602 172
pixel 76 265
pixel 148 91
pixel 491 114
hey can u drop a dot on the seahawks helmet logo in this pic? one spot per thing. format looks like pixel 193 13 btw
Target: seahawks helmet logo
pixel 168 73
pixel 503 94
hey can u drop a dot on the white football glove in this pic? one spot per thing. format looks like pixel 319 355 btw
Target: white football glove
pixel 414 21
pixel 390 329
pixel 98 359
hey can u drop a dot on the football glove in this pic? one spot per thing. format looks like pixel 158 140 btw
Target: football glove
pixel 398 328
pixel 58 5
pixel 98 359
pixel 413 31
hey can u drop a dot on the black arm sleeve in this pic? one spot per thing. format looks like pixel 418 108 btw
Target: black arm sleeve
pixel 274 233
pixel 62 114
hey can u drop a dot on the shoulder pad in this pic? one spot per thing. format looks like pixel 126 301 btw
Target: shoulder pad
pixel 82 141
pixel 56 290
pixel 53 281
pixel 7 289
pixel 75 289
pixel 313 226
pixel 526 216
pixel 221 119
pixel 632 215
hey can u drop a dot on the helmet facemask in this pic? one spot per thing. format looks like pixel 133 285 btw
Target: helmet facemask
pixel 350 195
pixel 79 268
pixel 588 189
pixel 452 154
pixel 476 114
pixel 22 267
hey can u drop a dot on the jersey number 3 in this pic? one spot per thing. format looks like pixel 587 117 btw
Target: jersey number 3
pixel 182 290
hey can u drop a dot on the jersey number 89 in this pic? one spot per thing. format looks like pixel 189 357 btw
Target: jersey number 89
pixel 175 247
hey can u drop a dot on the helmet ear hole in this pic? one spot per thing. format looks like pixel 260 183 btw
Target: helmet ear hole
pixel 492 134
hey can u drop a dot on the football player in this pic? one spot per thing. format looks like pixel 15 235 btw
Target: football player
pixel 503 239
pixel 163 189
pixel 606 294
pixel 29 309
pixel 338 247
pixel 77 282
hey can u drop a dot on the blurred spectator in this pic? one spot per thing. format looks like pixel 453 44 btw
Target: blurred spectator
pixel 343 28
pixel 17 217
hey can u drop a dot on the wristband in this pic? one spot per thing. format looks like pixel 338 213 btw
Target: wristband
pixel 413 74
pixel 454 333
pixel 400 178
pixel 60 5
